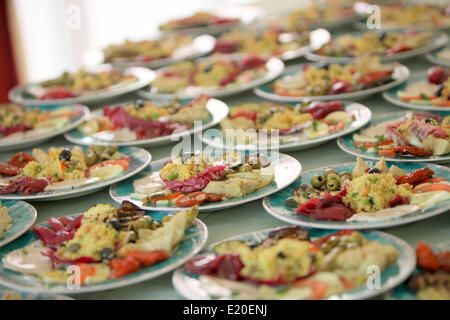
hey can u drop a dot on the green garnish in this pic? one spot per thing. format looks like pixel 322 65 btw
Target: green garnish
pixel 315 124
pixel 172 176
pixel 24 251
pixel 374 179
pixel 354 194
pixel 366 201
pixel 423 96
pixel 380 138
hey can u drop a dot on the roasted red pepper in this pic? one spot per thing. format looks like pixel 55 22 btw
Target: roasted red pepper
pixel 417 177
pixel 9 170
pixel 20 159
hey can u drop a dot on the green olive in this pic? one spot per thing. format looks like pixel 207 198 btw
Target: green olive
pixel 332 184
pixel 329 171
pixel 73 247
pixel 90 157
pixel 318 181
pixel 144 222
pixel 116 156
pixel 333 176
pixel 345 173
pixel 290 202
pixel 111 149
pixel 97 149
pixel 245 168
pixel 132 236
pixel 229 171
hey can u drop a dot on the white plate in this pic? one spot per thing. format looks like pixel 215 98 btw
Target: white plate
pixel 274 65
pixel 194 241
pixel 144 76
pixel 23 216
pixel 139 159
pixel 400 75
pixel 432 57
pixel 276 207
pixel 217 110
pixel 191 287
pixel 286 169
pixel 391 96
pixel 362 116
pixel 439 40
pixel 200 46
pixel 74 122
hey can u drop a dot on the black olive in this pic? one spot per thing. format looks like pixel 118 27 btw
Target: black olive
pixel 139 103
pixel 208 68
pixel 65 154
pixel 439 90
pixel 428 121
pixel 107 254
pixel 115 223
pixel 281 255
pixel 374 170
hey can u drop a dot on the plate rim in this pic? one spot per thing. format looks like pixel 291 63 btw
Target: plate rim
pixel 33 212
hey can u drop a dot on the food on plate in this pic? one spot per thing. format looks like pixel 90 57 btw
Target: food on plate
pixel 266 42
pixel 195 179
pixel 104 243
pixel 145 120
pixel 417 134
pixel 434 91
pixel 197 20
pixel 311 120
pixel 331 79
pixel 368 193
pixel 432 280
pixel 145 50
pixel 5 220
pixel 83 82
pixel 444 54
pixel 414 15
pixel 288 264
pixel 383 43
pixel 18 123
pixel 60 168
pixel 215 72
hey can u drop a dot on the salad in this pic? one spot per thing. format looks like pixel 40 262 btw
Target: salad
pixel 383 43
pixel 142 120
pixel 288 263
pixel 266 42
pixel 313 120
pixel 5 220
pixel 70 85
pixel 60 169
pixel 416 134
pixel 434 91
pixel 211 73
pixel 333 79
pixel 104 242
pixel 20 123
pixel 197 20
pixel 190 179
pixel 368 193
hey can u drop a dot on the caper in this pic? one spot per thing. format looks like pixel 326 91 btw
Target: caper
pixel 332 184
pixel 345 173
pixel 144 222
pixel 73 247
pixel 245 168
pixel 290 202
pixel 90 157
pixel 318 181
pixel 328 171
pixel 107 254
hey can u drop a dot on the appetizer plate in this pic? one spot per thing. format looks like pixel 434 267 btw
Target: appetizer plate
pixel 20 295
pixel 23 216
pixel 400 75
pixel 217 110
pixel 144 76
pixel 433 58
pixel 210 29
pixel 347 143
pixel 195 238
pixel 402 292
pixel 361 113
pixel 139 159
pixel 276 207
pixel 191 287
pixel 200 46
pixel 75 121
pixel 274 68
pixel 439 40
pixel 362 26
pixel 286 169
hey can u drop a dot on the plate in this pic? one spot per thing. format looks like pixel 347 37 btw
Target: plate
pixel 346 143
pixel 433 58
pixel 274 65
pixel 190 286
pixel 275 204
pixel 74 122
pixel 286 169
pixel 23 216
pixel 391 95
pixel 362 116
pixel 400 75
pixel 217 110
pixel 20 295
pixel 439 40
pixel 200 46
pixel 193 242
pixel 145 76
pixel 139 159
pixel 210 29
